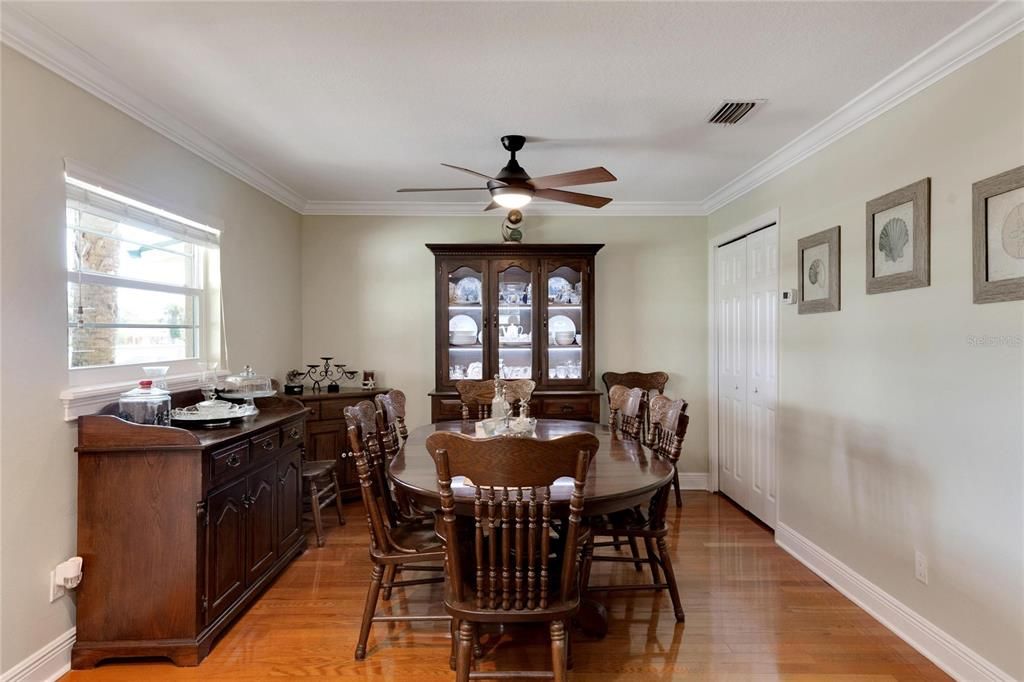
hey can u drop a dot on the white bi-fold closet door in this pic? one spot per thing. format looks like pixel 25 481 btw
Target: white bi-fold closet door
pixel 747 308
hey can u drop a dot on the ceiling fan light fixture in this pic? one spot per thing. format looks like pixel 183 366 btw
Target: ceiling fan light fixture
pixel 512 197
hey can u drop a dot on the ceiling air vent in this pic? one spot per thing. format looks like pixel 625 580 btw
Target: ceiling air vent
pixel 731 111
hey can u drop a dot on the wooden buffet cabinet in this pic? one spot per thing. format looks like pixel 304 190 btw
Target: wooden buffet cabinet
pixel 326 431
pixel 564 372
pixel 181 529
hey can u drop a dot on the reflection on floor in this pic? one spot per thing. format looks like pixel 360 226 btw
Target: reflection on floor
pixel 752 613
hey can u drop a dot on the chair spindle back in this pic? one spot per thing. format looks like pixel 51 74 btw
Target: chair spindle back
pixel 513 550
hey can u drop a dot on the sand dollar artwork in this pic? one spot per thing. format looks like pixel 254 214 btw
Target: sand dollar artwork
pixel 1013 232
pixel 816 273
pixel 893 239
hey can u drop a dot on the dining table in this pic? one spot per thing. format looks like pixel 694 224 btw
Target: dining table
pixel 623 474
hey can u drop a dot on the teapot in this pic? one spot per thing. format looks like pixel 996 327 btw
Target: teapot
pixel 511 332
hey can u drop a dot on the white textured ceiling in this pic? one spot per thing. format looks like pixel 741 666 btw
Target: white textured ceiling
pixel 349 101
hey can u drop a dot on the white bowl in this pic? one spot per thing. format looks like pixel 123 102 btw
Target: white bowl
pixel 564 338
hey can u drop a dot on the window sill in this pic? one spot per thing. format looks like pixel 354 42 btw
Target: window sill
pixel 81 400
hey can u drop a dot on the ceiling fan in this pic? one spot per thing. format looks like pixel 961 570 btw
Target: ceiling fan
pixel 513 187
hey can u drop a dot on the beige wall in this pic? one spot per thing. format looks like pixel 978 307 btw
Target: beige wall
pixel 368 298
pixel 45 119
pixel 896 432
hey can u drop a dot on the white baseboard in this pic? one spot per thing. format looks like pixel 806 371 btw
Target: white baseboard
pixel 45 665
pixel 954 657
pixel 693 481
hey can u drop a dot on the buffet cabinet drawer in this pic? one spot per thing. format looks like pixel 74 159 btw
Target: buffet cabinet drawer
pixel 224 464
pixel 314 410
pixel 567 408
pixel 266 445
pixel 447 409
pixel 292 435
pixel 333 409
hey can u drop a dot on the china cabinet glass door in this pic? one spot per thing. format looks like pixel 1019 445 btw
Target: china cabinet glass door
pixel 466 331
pixel 513 318
pixel 566 322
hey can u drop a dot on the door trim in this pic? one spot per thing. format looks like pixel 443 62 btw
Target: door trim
pixel 759 223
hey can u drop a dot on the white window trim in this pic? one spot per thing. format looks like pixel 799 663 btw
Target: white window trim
pixel 81 400
pixel 92 388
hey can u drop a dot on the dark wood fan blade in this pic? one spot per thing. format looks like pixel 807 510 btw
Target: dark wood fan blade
pixel 440 189
pixel 591 200
pixel 471 172
pixel 491 206
pixel 587 176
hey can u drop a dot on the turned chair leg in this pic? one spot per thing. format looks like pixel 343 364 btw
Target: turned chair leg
pixel 652 559
pixel 464 655
pixel 670 578
pixel 314 500
pixel 587 562
pixel 389 579
pixel 558 653
pixel 635 551
pixel 337 499
pixel 368 610
pixel 455 643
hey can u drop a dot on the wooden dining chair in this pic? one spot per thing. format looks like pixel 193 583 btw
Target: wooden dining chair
pixel 648 382
pixel 649 526
pixel 511 566
pixel 391 406
pixel 393 546
pixel 320 489
pixel 668 430
pixel 624 410
pixel 478 394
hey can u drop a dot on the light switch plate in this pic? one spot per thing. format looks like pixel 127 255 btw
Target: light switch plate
pixel 56 590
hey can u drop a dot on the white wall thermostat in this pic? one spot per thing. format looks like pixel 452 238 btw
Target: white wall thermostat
pixel 789 296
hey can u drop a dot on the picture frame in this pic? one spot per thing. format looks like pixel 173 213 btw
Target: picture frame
pixel 818 258
pixel 998 237
pixel 898 231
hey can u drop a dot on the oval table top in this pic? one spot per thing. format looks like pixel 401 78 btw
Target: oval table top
pixel 623 474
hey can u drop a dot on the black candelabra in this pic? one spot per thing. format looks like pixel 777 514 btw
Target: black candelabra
pixel 328 373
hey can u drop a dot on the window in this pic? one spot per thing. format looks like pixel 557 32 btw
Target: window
pixel 139 282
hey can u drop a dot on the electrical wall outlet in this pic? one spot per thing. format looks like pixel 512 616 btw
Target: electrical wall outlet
pixel 921 567
pixel 56 589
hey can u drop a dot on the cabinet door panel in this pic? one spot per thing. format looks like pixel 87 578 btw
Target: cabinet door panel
pixel 512 300
pixel 289 500
pixel 226 547
pixel 462 306
pixel 566 323
pixel 260 524
pixel 324 441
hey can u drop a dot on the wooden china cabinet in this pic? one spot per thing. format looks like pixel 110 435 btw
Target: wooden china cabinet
pixel 524 311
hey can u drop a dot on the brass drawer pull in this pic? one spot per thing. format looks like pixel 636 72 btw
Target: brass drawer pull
pixel 294 433
pixel 234 460
pixel 268 445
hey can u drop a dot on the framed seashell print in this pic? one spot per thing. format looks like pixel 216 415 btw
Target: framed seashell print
pixel 899 239
pixel 818 258
pixel 998 209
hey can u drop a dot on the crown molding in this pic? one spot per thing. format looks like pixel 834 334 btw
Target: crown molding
pixel 984 32
pixel 462 208
pixel 41 44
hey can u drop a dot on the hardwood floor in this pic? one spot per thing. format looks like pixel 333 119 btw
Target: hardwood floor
pixel 752 613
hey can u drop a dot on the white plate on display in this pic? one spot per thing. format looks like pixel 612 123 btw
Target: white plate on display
pixel 464 323
pixel 561 323
pixel 468 290
pixel 557 286
pixel 475 370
